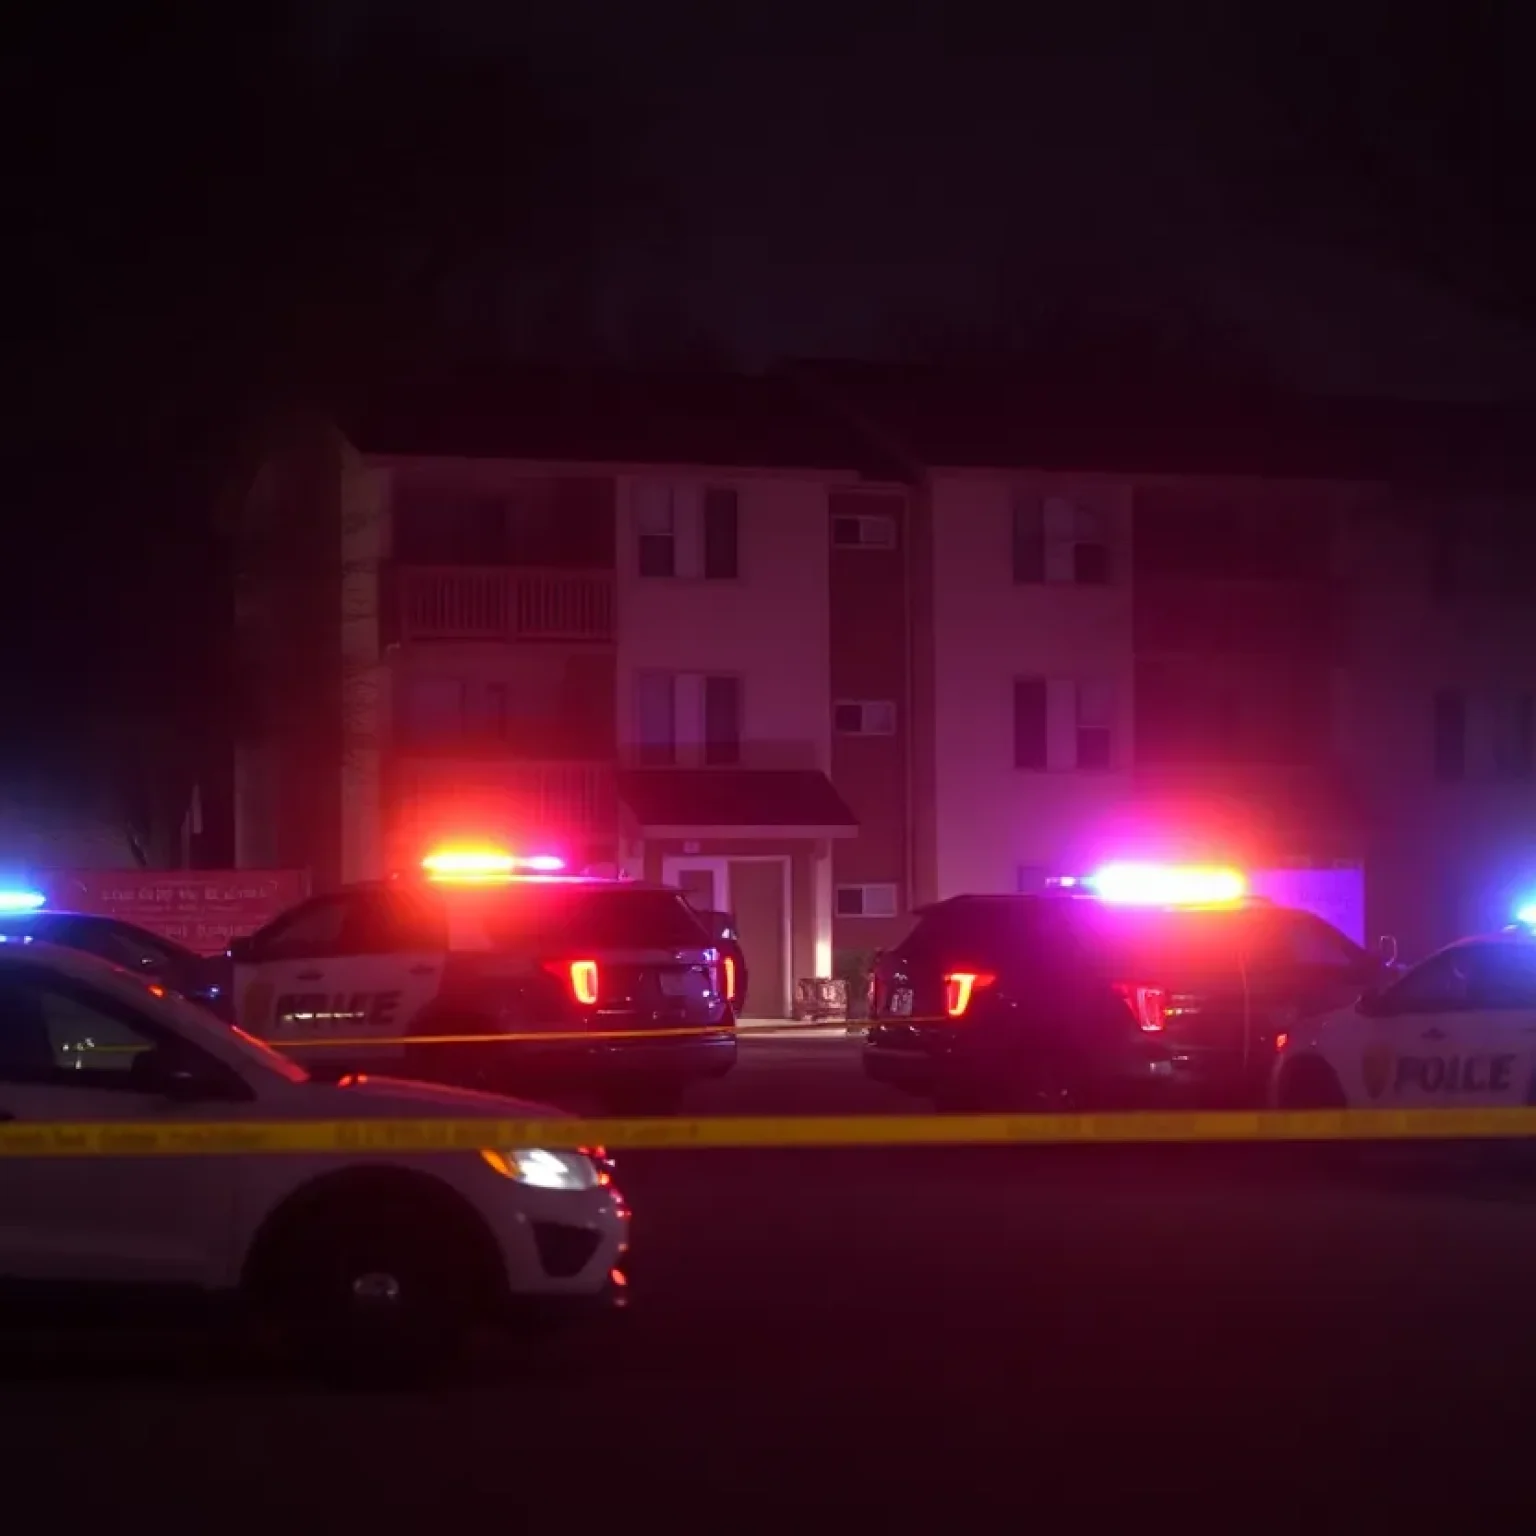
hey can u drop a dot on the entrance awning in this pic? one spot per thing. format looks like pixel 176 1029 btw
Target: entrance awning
pixel 735 802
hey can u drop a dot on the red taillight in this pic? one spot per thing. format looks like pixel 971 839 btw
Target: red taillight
pixel 958 988
pixel 1147 1003
pixel 728 965
pixel 582 976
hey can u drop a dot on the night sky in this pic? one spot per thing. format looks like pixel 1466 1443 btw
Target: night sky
pixel 221 213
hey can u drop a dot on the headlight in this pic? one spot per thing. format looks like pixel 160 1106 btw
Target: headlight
pixel 541 1169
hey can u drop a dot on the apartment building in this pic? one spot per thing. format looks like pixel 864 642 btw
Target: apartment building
pixel 1296 640
pixel 824 647
pixel 596 619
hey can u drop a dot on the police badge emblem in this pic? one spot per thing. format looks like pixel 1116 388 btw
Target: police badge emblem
pixel 1376 1069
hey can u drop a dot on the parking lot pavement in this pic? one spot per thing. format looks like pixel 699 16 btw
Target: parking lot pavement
pixel 913 1335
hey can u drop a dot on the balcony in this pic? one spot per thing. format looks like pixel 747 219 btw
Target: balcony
pixel 445 797
pixel 445 602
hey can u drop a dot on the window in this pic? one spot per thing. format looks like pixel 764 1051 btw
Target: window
pixel 680 532
pixel 869 717
pixel 655 529
pixel 48 1029
pixel 686 716
pixel 1450 735
pixel 315 928
pixel 722 721
pixel 864 531
pixel 1467 977
pixel 395 922
pixel 722 534
pixel 656 718
pixel 1303 939
pixel 1056 540
pixel 1094 741
pixel 866 901
pixel 1031 739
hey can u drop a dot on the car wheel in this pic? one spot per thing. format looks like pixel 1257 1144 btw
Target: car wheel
pixel 1310 1084
pixel 373 1296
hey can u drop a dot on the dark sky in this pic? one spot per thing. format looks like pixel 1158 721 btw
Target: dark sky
pixel 818 169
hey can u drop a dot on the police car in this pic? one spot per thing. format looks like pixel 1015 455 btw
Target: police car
pixel 613 986
pixel 202 978
pixel 1458 1031
pixel 1136 987
pixel 367 1258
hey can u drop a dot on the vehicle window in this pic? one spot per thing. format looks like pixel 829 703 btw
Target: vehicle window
pixel 1299 938
pixel 394 922
pixel 48 1033
pixel 316 928
pixel 980 930
pixel 1153 942
pixel 123 946
pixel 1468 977
pixel 603 919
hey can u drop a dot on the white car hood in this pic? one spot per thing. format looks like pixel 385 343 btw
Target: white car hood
pixel 382 1098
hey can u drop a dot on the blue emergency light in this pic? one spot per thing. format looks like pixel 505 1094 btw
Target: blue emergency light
pixel 21 901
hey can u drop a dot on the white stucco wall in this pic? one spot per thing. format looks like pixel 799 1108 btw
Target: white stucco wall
pixel 769 627
pixel 991 817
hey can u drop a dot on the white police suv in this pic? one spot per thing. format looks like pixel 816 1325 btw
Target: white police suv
pixel 362 1256
pixel 608 986
pixel 1458 1031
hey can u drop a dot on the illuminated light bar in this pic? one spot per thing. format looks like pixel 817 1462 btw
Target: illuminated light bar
pixel 1526 914
pixel 484 866
pixel 1167 885
pixel 21 901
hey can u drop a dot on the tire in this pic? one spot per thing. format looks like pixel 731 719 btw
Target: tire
pixel 1310 1084
pixel 373 1294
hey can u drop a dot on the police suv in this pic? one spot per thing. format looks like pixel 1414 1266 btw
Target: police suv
pixel 1457 1031
pixel 367 1258
pixel 608 987
pixel 1137 987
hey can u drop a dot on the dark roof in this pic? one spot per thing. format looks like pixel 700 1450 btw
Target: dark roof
pixel 725 419
pixel 1004 419
pixel 733 797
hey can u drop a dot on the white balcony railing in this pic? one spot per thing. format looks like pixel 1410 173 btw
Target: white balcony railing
pixel 445 797
pixel 495 603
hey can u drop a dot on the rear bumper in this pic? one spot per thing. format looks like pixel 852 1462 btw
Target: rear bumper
pixel 1147 1075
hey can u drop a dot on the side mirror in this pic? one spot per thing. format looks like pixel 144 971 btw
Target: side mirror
pixel 1386 947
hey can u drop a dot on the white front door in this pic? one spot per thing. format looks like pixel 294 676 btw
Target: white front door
pixel 68 1054
pixel 705 882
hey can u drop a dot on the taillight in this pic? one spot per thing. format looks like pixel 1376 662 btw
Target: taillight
pixel 1146 1003
pixel 581 975
pixel 729 967
pixel 958 988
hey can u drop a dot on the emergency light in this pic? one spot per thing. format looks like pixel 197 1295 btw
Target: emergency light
pixel 1160 885
pixel 483 866
pixel 1526 914
pixel 21 901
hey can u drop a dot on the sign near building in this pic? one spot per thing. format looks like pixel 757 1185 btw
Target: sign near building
pixel 201 908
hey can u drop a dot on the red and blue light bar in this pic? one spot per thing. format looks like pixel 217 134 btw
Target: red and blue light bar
pixel 1160 885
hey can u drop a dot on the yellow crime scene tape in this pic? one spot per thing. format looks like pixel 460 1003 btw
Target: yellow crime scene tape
pixel 351 1137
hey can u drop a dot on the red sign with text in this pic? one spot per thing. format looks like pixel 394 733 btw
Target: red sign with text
pixel 201 908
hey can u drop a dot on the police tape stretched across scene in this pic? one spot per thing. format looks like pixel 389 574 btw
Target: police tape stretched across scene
pixel 232 1138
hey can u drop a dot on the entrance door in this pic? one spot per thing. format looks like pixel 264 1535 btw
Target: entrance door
pixel 704 882
pixel 759 900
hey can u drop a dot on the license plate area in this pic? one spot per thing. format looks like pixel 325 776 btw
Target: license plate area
pixel 901 1002
pixel 677 983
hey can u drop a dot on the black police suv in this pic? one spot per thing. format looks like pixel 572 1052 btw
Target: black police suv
pixel 204 979
pixel 1064 1001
